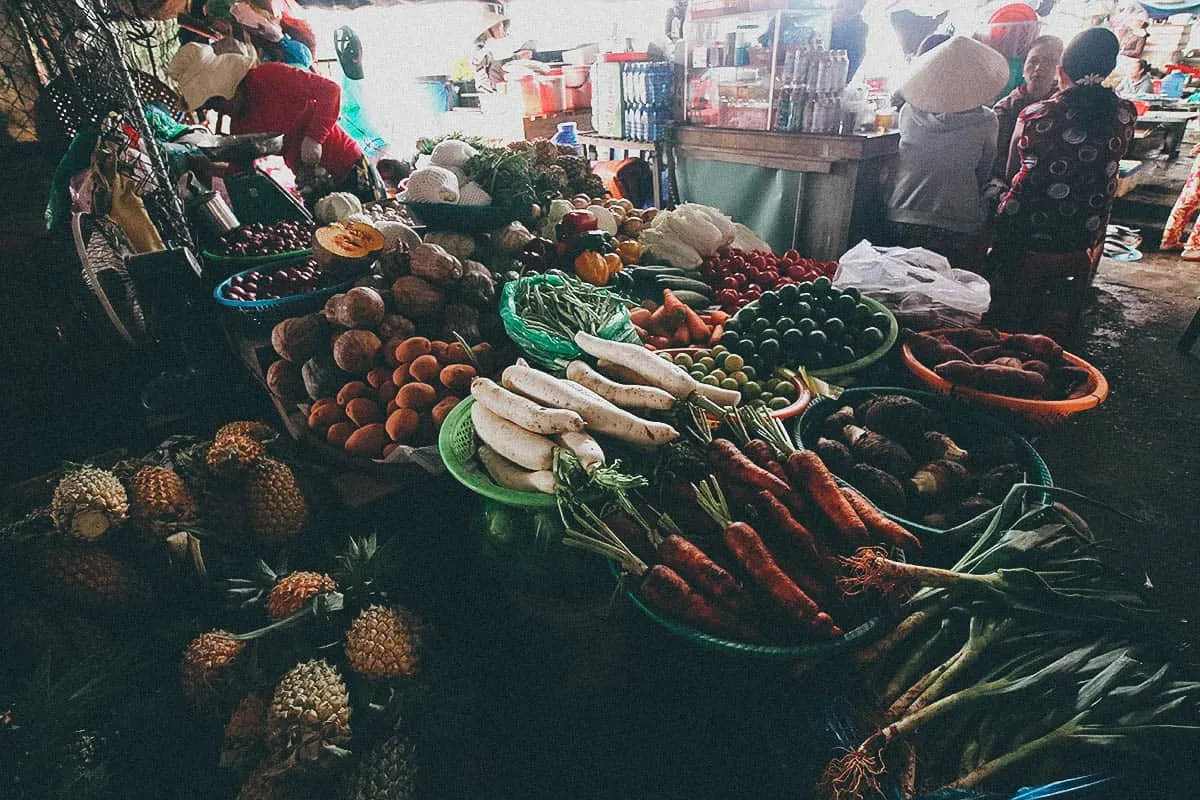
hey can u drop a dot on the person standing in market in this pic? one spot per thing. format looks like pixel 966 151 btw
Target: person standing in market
pixel 277 98
pixel 488 58
pixel 947 147
pixel 1139 81
pixel 1062 173
pixel 1041 80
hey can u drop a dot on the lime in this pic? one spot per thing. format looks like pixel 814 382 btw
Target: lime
pixel 745 318
pixel 802 310
pixel 719 374
pixel 759 326
pixel 732 325
pixel 820 314
pixel 734 362
pixel 817 339
pixel 834 328
pixel 871 338
pixel 706 363
pixel 683 360
pixel 881 320
pixel 769 349
pixel 815 360
pixel 718 349
pixel 729 338
pixel 697 373
pixel 750 373
pixel 766 397
pixel 740 377
pixel 787 389
pixel 784 324
pixel 851 291
pixel 792 340
pixel 709 380
pixel 863 312
pixel 729 383
pixel 768 302
pixel 846 306
pixel 806 325
pixel 822 285
pixel 789 293
pixel 751 390
pixel 746 348
pixel 778 403
pixel 846 354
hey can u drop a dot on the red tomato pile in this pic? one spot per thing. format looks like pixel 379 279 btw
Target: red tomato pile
pixel 740 277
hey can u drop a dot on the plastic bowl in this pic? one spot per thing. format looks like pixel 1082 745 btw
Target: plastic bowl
pixel 269 312
pixel 1041 413
pixel 965 425
pixel 803 395
pixel 844 370
pixel 456 444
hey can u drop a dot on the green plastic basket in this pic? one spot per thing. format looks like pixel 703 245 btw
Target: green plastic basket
pixel 852 640
pixel 859 364
pixel 546 350
pixel 457 445
pixel 964 423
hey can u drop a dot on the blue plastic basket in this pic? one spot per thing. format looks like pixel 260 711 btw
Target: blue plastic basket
pixel 266 313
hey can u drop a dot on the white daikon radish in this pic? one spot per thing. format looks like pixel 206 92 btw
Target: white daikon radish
pixel 518 445
pixel 524 412
pixel 620 394
pixel 510 476
pixel 585 448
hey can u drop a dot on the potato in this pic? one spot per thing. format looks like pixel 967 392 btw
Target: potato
pixel 386 392
pixel 321 418
pixel 299 338
pixel 425 369
pixel 391 407
pixel 355 351
pixel 285 381
pixel 455 353
pixel 400 375
pixel 418 396
pixel 395 326
pixel 389 448
pixel 363 411
pixel 338 433
pixel 368 441
pixel 401 423
pixel 443 409
pixel 322 403
pixel 457 378
pixel 352 390
pixel 413 348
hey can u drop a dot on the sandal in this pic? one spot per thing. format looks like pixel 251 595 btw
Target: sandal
pixel 1191 254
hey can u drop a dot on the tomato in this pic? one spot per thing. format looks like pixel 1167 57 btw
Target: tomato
pixel 797 273
pixel 742 280
pixel 757 260
pixel 738 263
pixel 769 278
pixel 752 293
pixel 728 298
pixel 729 282
pixel 754 273
pixel 708 272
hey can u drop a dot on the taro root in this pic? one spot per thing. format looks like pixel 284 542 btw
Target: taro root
pixel 879 451
pixel 417 298
pixel 286 381
pixel 299 338
pixel 882 489
pixel 942 479
pixel 360 307
pixel 356 351
pixel 835 455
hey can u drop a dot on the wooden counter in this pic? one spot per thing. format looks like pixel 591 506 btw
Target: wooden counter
pixel 839 198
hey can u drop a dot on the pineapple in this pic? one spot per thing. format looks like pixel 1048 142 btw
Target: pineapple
pixel 233 455
pixel 386 772
pixel 258 431
pixel 309 717
pixel 245 733
pixel 294 590
pixel 159 501
pixel 222 508
pixel 207 668
pixel 276 504
pixel 384 643
pixel 91 576
pixel 87 502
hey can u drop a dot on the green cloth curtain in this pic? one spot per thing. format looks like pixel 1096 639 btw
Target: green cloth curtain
pixel 762 199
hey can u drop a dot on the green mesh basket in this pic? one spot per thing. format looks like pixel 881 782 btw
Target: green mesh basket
pixel 457 445
pixel 546 350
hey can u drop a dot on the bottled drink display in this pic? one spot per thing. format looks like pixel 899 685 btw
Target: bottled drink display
pixel 809 89
pixel 646 86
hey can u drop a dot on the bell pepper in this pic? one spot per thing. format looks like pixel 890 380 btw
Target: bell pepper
pixel 592 267
pixel 576 222
pixel 630 251
pixel 594 241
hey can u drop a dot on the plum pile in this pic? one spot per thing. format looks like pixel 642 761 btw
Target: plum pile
pixel 279 283
pixel 260 239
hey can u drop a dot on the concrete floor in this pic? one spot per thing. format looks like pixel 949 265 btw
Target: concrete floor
pixel 1139 451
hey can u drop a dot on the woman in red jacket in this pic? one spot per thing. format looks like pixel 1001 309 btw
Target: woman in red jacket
pixel 277 98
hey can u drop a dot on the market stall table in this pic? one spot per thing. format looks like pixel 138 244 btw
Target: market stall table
pixel 651 152
pixel 1172 123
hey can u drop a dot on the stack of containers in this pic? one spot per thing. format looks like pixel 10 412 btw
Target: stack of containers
pixel 608 99
pixel 809 90
pixel 646 94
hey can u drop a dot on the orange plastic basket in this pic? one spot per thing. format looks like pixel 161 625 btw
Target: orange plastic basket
pixel 1040 413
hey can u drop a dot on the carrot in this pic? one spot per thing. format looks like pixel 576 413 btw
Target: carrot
pixel 778 514
pixel 639 316
pixel 682 336
pixel 717 332
pixel 761 454
pixel 807 470
pixel 717 317
pixel 736 466
pixel 877 522
pixel 667 590
pixel 694 565
pixel 696 328
pixel 748 547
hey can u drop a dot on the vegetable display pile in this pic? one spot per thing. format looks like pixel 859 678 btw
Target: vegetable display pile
pixel 261 239
pixel 676 322
pixel 740 277
pixel 558 170
pixel 716 366
pixel 1029 657
pixel 565 306
pixel 811 324
pixel 901 454
pixel 1021 365
pixel 275 284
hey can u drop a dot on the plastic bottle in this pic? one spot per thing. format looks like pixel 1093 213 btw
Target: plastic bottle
pixel 843 70
pixel 812 67
pixel 783 112
pixel 566 135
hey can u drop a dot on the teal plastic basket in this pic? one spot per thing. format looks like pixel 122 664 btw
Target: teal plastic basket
pixel 965 425
pixel 265 313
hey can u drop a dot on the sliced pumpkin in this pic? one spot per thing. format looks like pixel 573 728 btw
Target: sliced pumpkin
pixel 346 244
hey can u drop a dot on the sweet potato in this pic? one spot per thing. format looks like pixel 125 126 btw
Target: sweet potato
pixel 401 423
pixel 386 392
pixel 457 378
pixel 400 375
pixel 338 433
pixel 322 403
pixel 994 378
pixel 412 348
pixel 363 411
pixel 378 376
pixel 986 355
pixel 319 419
pixel 931 350
pixel 389 448
pixel 455 353
pixel 352 390
pixel 389 352
pixel 417 396
pixel 974 338
pixel 438 350
pixel 1009 361
pixel 391 407
pixel 443 409
pixel 425 369
pixel 1040 347
pixel 1040 367
pixel 367 441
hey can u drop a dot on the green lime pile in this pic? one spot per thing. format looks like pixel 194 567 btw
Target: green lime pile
pixel 719 367
pixel 812 324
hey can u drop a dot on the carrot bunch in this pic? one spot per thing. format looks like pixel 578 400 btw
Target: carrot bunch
pixel 673 323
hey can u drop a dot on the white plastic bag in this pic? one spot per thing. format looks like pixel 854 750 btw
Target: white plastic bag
pixel 918 285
